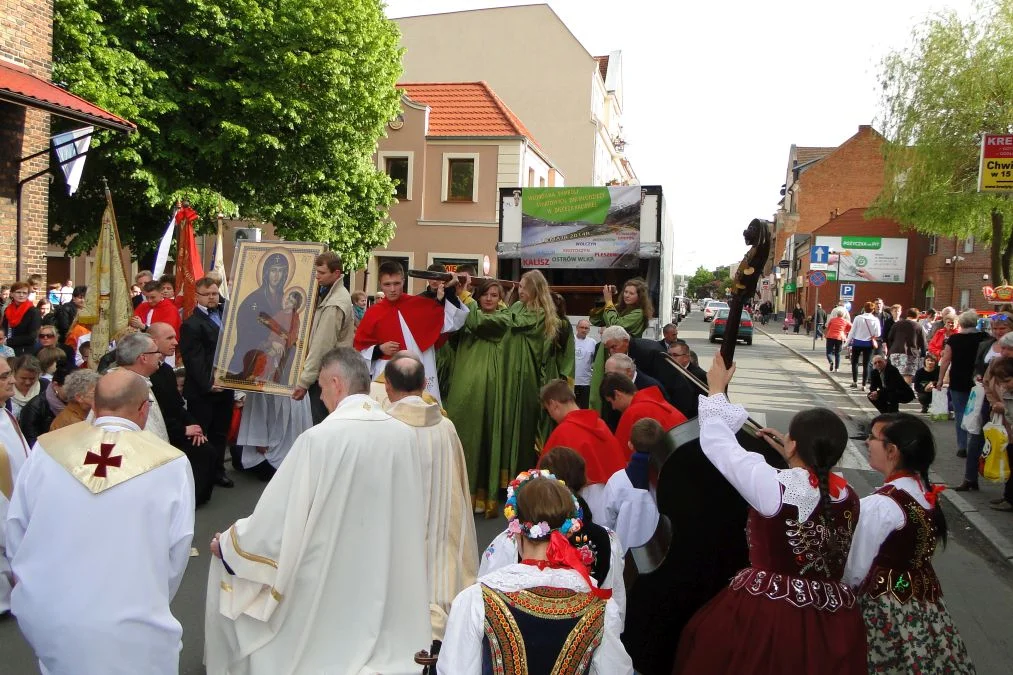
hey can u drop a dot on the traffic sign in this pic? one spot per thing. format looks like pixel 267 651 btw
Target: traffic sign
pixel 847 291
pixel 784 264
pixel 817 278
pixel 819 255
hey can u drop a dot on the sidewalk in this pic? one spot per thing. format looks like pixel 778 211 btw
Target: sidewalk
pixel 994 526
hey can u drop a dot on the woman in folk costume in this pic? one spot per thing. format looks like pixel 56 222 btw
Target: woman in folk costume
pixel 475 402
pixel 543 614
pixel 533 324
pixel 909 629
pixel 595 543
pixel 559 360
pixel 632 313
pixel 789 611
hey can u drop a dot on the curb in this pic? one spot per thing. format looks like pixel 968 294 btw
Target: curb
pixel 1002 546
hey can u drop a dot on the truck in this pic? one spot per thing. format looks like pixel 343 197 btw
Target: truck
pixel 582 239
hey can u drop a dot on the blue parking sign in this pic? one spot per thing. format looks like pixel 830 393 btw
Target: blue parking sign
pixel 847 292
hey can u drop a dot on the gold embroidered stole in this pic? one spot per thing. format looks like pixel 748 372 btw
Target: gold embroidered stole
pixel 100 458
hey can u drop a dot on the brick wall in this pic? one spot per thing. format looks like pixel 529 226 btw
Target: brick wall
pixel 949 279
pixel 26 38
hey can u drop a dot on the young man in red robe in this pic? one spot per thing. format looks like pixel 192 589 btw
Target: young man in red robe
pixel 583 431
pixel 156 309
pixel 404 322
pixel 634 405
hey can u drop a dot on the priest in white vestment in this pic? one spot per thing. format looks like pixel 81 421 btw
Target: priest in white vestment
pixel 12 458
pixel 99 533
pixel 404 322
pixel 451 545
pixel 328 575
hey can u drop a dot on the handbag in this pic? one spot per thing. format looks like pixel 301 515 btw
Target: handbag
pixel 994 463
pixel 972 411
pixel 939 409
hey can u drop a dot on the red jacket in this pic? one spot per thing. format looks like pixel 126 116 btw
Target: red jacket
pixel 586 432
pixel 164 312
pixel 649 402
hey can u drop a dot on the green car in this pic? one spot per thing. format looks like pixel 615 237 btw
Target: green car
pixel 745 326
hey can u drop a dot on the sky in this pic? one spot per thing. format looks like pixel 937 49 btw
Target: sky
pixel 715 94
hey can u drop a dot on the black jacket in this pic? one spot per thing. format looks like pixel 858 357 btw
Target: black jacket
pixel 198 337
pixel 22 337
pixel 63 318
pixel 891 385
pixel 174 412
pixel 36 416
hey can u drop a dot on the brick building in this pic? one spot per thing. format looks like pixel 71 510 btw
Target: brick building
pixel 820 183
pixel 954 272
pixel 27 99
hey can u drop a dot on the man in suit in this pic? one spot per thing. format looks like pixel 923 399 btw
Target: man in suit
pixel 210 406
pixel 616 340
pixel 681 353
pixel 183 430
pixel 671 336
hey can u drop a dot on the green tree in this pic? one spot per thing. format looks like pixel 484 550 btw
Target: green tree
pixel 697 282
pixel 954 83
pixel 276 107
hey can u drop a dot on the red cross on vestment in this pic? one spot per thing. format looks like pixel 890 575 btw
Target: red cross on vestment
pixel 103 460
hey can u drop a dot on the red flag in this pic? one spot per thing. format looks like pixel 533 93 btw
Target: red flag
pixel 188 265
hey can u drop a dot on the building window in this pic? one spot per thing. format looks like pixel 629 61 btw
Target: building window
pixel 929 291
pixel 541 182
pixel 399 165
pixel 397 169
pixel 460 177
pixel 969 245
pixel 531 177
pixel 965 300
pixel 933 244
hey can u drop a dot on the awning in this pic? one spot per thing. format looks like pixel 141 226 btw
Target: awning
pixel 20 87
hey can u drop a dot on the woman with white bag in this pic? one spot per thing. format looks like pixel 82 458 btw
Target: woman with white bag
pixel 863 338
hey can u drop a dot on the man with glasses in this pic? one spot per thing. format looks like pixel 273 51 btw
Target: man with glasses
pixel 12 457
pixel 684 357
pixel 210 406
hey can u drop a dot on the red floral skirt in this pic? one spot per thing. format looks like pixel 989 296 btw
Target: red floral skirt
pixel 745 634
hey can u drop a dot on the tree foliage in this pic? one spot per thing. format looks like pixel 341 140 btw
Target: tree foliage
pixel 954 83
pixel 274 106
pixel 695 287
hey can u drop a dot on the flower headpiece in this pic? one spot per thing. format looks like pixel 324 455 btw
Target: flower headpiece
pixel 541 530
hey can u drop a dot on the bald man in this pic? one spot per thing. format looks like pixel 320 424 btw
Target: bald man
pixel 379 391
pixel 115 503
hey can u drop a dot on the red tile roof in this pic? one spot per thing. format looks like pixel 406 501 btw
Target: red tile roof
pixel 464 109
pixel 603 65
pixel 20 87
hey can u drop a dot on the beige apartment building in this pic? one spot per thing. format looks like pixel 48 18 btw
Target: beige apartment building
pixel 450 150
pixel 571 100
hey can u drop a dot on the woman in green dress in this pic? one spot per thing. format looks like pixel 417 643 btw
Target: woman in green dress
pixel 475 402
pixel 633 313
pixel 533 326
pixel 559 360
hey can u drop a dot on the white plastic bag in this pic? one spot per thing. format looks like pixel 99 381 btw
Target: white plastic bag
pixel 972 411
pixel 939 408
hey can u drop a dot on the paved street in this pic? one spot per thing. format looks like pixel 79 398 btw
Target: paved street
pixel 773 383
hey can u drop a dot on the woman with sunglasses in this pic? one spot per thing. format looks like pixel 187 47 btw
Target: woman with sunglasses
pixel 890 563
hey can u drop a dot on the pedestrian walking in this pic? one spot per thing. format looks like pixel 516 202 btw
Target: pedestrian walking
pixel 863 338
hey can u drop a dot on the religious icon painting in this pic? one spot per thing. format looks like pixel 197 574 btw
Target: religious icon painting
pixel 265 332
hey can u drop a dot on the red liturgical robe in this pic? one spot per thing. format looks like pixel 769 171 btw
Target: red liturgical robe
pixel 165 311
pixel 424 317
pixel 649 402
pixel 586 432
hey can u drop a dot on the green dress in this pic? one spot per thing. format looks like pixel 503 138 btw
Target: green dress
pixel 475 402
pixel 634 323
pixel 523 375
pixel 559 360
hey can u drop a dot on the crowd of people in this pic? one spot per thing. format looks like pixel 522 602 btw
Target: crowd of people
pixel 407 419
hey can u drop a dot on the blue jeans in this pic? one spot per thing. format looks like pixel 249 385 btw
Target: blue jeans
pixel 834 350
pixel 959 399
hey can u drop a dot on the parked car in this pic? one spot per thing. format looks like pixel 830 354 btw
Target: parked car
pixel 721 319
pixel 712 308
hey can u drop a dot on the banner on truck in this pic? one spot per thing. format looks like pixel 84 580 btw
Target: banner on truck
pixel 879 259
pixel 580 227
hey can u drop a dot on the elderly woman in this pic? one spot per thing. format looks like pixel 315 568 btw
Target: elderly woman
pixel 27 385
pixel 79 392
pixel 957 361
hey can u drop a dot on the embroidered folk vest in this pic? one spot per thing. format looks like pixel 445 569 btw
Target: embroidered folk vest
pixel 540 630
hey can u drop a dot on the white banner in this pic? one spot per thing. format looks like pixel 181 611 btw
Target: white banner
pixel 77 143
